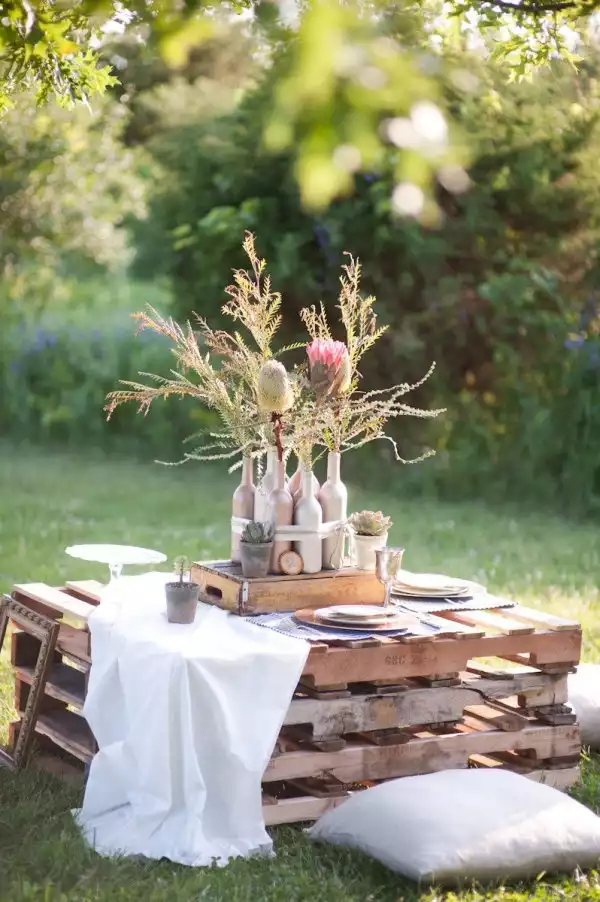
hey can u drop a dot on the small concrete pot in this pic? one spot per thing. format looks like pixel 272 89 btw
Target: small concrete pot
pixel 255 559
pixel 182 601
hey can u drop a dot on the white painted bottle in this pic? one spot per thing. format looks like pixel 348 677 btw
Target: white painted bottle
pixel 242 504
pixel 308 513
pixel 281 513
pixel 265 487
pixel 312 486
pixel 333 498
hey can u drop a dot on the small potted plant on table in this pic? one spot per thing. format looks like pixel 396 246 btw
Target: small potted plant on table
pixel 182 597
pixel 370 532
pixel 256 545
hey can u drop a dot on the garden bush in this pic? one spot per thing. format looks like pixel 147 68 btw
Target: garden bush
pixel 500 292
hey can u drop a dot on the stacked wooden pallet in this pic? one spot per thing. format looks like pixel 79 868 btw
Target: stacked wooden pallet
pixel 485 689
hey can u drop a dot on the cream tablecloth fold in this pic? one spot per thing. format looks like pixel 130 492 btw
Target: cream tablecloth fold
pixel 186 718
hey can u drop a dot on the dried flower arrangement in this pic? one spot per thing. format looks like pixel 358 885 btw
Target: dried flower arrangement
pixel 318 407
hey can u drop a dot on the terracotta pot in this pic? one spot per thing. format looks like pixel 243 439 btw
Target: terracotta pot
pixel 364 550
pixel 182 601
pixel 255 559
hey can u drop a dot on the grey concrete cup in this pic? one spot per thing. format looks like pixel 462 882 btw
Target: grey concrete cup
pixel 255 559
pixel 182 601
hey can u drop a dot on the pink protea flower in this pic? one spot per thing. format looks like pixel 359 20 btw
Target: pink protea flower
pixel 329 367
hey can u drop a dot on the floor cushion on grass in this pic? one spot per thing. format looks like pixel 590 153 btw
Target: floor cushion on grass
pixel 464 825
pixel 584 698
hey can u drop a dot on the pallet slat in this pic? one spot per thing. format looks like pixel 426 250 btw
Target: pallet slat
pixel 64 683
pixel 69 731
pixel 495 622
pixel 53 598
pixel 360 761
pixel 89 589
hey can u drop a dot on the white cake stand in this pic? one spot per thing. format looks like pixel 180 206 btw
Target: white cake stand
pixel 116 556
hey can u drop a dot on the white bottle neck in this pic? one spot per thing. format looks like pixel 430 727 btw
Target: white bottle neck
pixel 333 466
pixel 247 471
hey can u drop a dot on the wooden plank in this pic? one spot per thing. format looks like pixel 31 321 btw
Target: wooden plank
pixel 444 629
pixel 542 620
pixel 74 643
pixel 304 808
pixel 88 589
pixel 339 665
pixel 361 761
pixel 53 598
pixel 63 683
pixel 496 716
pixel 69 731
pixel 496 622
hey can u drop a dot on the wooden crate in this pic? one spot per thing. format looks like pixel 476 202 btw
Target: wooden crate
pixel 484 689
pixel 222 584
pixel 60 726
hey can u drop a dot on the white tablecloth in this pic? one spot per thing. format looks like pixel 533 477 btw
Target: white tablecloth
pixel 186 718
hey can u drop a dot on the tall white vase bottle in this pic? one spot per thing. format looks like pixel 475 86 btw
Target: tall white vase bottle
pixel 308 513
pixel 333 498
pixel 242 504
pixel 281 513
pixel 265 487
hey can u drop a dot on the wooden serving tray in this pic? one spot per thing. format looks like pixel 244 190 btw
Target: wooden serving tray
pixel 222 584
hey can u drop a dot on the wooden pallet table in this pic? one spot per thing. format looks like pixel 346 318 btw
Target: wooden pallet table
pixel 484 689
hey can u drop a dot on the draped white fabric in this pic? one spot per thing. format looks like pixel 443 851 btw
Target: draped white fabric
pixel 186 718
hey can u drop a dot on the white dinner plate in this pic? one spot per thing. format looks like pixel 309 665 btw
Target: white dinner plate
pixel 430 582
pixel 354 611
pixel 394 622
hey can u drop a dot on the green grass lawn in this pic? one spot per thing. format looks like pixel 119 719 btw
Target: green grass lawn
pixel 49 500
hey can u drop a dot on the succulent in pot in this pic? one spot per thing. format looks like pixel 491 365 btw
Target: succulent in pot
pixel 370 532
pixel 256 544
pixel 182 596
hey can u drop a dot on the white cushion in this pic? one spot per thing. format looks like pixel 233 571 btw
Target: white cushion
pixel 465 825
pixel 584 698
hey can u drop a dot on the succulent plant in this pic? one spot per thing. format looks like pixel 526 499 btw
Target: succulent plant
pixel 258 533
pixel 181 565
pixel 369 523
pixel 274 389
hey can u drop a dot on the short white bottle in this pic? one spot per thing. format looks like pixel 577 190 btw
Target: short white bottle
pixel 308 514
pixel 265 487
pixel 280 508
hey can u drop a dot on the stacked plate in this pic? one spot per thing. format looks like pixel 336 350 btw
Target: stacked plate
pixel 357 616
pixel 434 585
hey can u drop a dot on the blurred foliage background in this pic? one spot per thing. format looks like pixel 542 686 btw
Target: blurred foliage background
pixel 471 196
